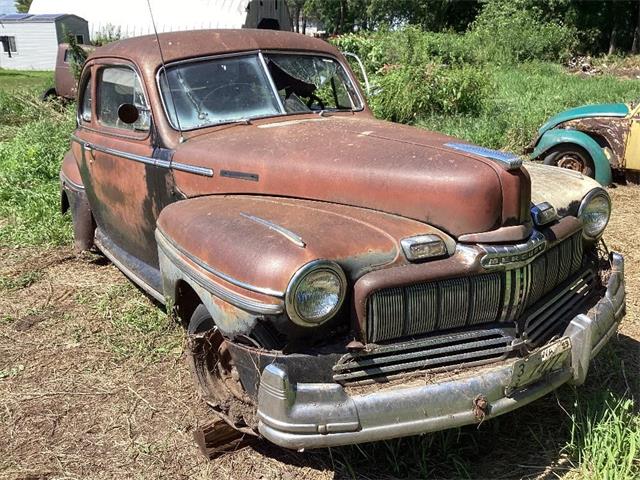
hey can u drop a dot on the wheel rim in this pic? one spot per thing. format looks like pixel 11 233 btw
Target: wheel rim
pixel 572 161
pixel 214 368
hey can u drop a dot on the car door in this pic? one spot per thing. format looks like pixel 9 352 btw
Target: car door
pixel 126 190
pixel 632 150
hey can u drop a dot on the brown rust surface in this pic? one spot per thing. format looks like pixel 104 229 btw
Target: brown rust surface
pixel 70 169
pixel 613 130
pixel 196 43
pixel 355 160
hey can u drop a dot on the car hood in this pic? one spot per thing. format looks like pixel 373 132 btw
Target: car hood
pixel 600 110
pixel 361 162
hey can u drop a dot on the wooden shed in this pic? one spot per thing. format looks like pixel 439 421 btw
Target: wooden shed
pixel 30 42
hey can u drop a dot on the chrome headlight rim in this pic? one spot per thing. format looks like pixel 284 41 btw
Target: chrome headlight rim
pixel 586 200
pixel 297 279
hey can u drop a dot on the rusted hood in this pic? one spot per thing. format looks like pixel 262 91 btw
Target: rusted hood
pixel 362 162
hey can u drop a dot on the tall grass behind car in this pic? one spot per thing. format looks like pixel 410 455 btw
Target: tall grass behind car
pixel 33 138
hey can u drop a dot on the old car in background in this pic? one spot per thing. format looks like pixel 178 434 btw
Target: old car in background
pixel 595 140
pixel 340 279
pixel 65 84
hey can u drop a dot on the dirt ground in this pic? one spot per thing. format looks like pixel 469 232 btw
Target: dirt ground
pixel 93 384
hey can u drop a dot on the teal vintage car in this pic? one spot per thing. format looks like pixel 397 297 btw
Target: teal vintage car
pixel 596 140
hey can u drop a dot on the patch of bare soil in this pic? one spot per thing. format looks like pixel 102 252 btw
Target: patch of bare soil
pixel 622 67
pixel 73 407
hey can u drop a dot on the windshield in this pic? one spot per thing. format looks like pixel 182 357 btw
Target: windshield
pixel 214 91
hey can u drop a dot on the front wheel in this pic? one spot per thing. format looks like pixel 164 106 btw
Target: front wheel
pixel 571 157
pixel 218 381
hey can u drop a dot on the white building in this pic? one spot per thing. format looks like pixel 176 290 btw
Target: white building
pixel 132 18
pixel 30 42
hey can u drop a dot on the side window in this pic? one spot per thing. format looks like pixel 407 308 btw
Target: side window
pixel 85 105
pixel 118 86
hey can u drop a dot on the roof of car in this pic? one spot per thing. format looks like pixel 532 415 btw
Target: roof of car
pixel 197 43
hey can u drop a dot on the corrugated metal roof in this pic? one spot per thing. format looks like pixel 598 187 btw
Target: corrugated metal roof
pixel 27 18
pixel 14 17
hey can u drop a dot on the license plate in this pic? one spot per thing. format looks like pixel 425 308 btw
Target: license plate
pixel 546 360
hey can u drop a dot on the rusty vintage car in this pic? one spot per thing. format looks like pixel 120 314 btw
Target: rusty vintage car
pixel 596 140
pixel 340 279
pixel 65 85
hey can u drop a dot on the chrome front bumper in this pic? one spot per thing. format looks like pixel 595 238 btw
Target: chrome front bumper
pixel 314 415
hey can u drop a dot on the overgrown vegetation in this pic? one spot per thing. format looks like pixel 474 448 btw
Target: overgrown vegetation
pixel 34 137
pixel 595 26
pixel 438 81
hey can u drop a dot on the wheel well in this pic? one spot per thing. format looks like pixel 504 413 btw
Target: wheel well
pixel 186 302
pixel 567 145
pixel 64 202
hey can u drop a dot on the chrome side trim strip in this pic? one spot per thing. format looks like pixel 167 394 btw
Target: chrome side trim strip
pixel 124 269
pixel 183 167
pixel 215 289
pixel 168 244
pixel 288 234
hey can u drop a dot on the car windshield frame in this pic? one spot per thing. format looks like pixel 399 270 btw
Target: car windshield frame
pixel 167 100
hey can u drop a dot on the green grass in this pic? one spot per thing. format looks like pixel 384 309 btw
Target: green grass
pixel 34 137
pixel 136 327
pixel 25 79
pixel 523 97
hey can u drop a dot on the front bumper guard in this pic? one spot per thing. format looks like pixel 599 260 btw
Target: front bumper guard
pixel 315 415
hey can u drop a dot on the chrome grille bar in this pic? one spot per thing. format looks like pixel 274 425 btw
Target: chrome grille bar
pixel 501 296
pixel 436 353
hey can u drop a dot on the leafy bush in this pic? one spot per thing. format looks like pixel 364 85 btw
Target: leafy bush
pixel 29 191
pixel 407 46
pixel 409 92
pixel 510 31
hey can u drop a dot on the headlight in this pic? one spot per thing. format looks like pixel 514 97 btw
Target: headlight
pixel 594 211
pixel 315 293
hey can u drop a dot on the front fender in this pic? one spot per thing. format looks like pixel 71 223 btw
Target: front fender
pixel 245 249
pixel 554 137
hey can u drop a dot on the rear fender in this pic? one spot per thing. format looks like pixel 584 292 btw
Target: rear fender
pixel 555 137
pixel 74 198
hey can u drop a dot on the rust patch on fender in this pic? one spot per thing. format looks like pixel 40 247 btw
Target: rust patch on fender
pixel 613 130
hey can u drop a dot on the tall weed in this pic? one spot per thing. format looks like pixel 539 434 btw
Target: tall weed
pixel 507 31
pixel 29 167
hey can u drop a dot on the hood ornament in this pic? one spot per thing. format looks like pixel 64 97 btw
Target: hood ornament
pixel 510 161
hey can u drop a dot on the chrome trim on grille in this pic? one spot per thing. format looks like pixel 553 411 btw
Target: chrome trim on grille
pixel 510 256
pixel 552 313
pixel 498 296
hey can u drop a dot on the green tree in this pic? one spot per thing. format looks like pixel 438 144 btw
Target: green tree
pixel 22 6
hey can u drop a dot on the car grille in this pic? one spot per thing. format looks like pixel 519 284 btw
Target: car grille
pixel 469 301
pixel 437 352
pixel 552 314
